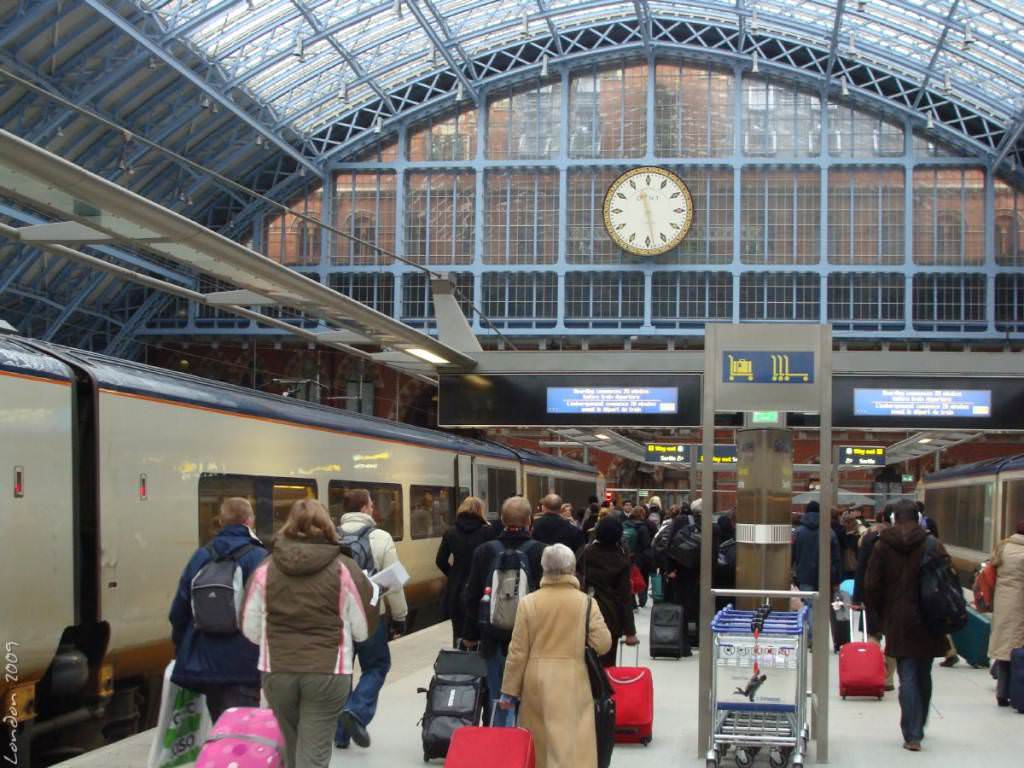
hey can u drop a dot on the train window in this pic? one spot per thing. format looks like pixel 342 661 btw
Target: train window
pixel 963 514
pixel 431 511
pixel 537 487
pixel 387 504
pixel 271 499
pixel 575 492
pixel 1013 506
pixel 493 486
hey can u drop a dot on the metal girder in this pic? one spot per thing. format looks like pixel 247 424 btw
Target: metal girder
pixel 441 46
pixel 939 45
pixel 72 306
pixel 833 46
pixel 1010 139
pixel 643 16
pixel 153 304
pixel 188 74
pixel 555 35
pixel 348 58
pixel 22 261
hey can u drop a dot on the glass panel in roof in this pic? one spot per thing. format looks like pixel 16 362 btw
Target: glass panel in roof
pixel 466 18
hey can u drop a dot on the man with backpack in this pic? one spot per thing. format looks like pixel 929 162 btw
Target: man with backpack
pixel 373 550
pixel 552 528
pixel 211 655
pixel 503 571
pixel 908 576
pixel 636 537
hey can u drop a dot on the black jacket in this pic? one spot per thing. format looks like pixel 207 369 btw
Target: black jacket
pixel 454 557
pixel 483 557
pixel 604 570
pixel 805 549
pixel 643 555
pixel 867 546
pixel 552 528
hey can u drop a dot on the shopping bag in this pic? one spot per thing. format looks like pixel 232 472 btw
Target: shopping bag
pixel 181 728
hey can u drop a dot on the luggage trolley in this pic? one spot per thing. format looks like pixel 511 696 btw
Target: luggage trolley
pixel 759 684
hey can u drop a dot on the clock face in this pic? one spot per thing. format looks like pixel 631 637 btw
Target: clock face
pixel 648 211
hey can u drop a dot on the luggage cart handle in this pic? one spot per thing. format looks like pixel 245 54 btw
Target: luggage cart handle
pixel 774 593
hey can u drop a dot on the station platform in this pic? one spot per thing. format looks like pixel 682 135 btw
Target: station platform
pixel 964 728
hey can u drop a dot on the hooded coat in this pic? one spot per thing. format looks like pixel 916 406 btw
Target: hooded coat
pixel 454 558
pixel 805 549
pixel 605 571
pixel 892 593
pixel 1008 608
pixel 545 670
pixel 204 659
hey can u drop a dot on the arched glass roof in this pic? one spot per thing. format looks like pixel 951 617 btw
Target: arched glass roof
pixel 317 63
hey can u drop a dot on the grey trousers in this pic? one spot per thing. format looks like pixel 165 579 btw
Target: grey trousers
pixel 306 707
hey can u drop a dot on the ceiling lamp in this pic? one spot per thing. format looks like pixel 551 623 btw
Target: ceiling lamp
pixel 853 43
pixel 426 355
pixel 947 81
pixel 300 50
pixel 755 66
pixel 526 24
pixel 398 8
pixel 378 125
pixel 845 88
pixel 968 35
pixel 251 4
pixel 929 123
pixel 861 5
pixel 544 66
pixel 459 93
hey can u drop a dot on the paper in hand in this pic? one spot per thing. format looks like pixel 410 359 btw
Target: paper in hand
pixel 391 578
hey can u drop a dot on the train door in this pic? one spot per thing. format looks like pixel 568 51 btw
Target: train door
pixel 463 477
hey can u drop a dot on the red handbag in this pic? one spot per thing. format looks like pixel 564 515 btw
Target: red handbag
pixel 985 588
pixel 636 580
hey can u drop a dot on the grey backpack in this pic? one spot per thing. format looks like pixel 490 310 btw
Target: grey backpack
pixel 217 592
pixel 358 543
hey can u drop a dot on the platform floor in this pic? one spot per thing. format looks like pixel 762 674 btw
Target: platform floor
pixel 965 727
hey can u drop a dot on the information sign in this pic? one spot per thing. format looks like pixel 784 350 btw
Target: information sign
pixel 959 403
pixel 862 456
pixel 672 453
pixel 612 400
pixel 757 367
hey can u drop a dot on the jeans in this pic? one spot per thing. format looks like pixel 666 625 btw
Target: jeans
pixel 374 664
pixel 306 705
pixel 915 696
pixel 221 697
pixel 493 714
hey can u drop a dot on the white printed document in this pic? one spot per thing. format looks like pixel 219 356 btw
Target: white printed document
pixel 391 578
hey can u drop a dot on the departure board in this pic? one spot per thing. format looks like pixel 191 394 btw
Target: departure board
pixel 959 403
pixel 613 400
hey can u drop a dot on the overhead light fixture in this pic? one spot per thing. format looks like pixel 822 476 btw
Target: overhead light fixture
pixel 754 20
pixel 526 24
pixel 861 4
pixel 544 66
pixel 259 140
pixel 459 93
pixel 853 43
pixel 845 89
pixel 204 102
pixel 756 67
pixel 968 35
pixel 300 50
pixel 929 123
pixel 398 8
pixel 378 125
pixel 601 436
pixel 251 4
pixel 947 81
pixel 426 355
pixel 925 440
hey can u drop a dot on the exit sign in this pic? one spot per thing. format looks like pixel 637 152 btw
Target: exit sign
pixel 764 417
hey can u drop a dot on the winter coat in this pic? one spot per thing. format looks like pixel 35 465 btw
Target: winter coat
pixel 205 659
pixel 892 593
pixel 384 554
pixel 480 571
pixel 304 610
pixel 1008 608
pixel 604 569
pixel 454 557
pixel 643 555
pixel 867 546
pixel 545 670
pixel 552 528
pixel 805 549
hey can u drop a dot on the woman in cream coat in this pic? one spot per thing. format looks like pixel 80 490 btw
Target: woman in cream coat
pixel 545 668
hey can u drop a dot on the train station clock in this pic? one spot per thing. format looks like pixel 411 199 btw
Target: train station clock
pixel 648 211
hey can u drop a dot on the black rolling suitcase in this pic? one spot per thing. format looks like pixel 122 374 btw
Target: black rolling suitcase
pixel 455 698
pixel 668 631
pixel 1017 679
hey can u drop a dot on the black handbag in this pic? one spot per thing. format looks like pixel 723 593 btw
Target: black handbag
pixel 604 704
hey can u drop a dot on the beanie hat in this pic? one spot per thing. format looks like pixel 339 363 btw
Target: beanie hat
pixel 609 531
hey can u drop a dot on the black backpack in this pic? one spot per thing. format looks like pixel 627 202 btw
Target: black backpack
pixel 943 606
pixel 217 591
pixel 684 549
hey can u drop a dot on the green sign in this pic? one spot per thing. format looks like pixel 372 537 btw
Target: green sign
pixel 764 417
pixel 908 478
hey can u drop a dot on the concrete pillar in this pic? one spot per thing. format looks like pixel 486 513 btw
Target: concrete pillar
pixel 764 487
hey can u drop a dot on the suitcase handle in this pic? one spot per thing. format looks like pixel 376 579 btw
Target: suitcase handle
pixel 622 645
pixel 863 614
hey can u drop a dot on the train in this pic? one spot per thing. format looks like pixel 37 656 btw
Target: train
pixel 112 473
pixel 975 506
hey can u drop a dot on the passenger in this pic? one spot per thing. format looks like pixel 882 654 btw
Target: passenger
pixel 952 658
pixel 477 631
pixel 1008 609
pixel 867 546
pixel 590 515
pixel 359 529
pixel 455 555
pixel 805 555
pixel 680 555
pixel 891 590
pixel 305 611
pixel 637 538
pixel 552 528
pixel 221 666
pixel 654 516
pixel 566 512
pixel 545 671
pixel 604 569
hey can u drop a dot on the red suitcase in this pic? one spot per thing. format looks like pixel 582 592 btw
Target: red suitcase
pixel 634 703
pixel 861 666
pixel 473 747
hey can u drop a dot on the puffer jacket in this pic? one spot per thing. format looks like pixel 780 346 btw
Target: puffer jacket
pixel 892 591
pixel 205 659
pixel 304 610
pixel 385 553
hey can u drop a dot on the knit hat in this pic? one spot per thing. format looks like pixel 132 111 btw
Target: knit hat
pixel 609 531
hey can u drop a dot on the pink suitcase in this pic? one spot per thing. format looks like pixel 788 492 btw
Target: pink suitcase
pixel 244 737
pixel 474 747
